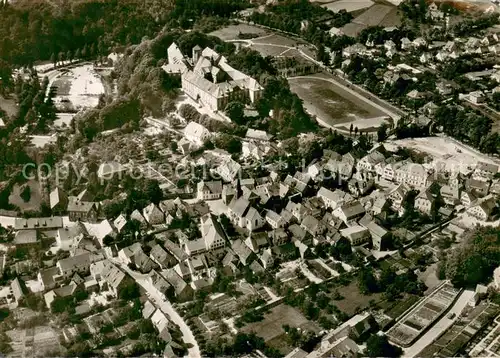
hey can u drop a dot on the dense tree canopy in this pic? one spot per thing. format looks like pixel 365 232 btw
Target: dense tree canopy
pixel 474 260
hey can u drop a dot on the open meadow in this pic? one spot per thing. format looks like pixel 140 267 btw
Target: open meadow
pixel 271 327
pixel 232 32
pixel 348 5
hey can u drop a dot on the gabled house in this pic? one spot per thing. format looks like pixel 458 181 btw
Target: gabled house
pixel 58 201
pixel 243 252
pixel 278 237
pixel 108 276
pixel 349 211
pixel 82 210
pixel 368 162
pixel 424 201
pixel 483 209
pixel 209 190
pixel 312 225
pixel 162 257
pixel 74 264
pixel 153 214
pixel 267 258
pixel 485 171
pixel 183 292
pixel 134 254
pixel 397 196
pixel 356 234
pixel 212 233
pixel 274 219
pixel 196 133
pixel 160 285
pixel 467 198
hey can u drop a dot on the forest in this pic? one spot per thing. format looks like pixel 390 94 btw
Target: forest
pixel 33 31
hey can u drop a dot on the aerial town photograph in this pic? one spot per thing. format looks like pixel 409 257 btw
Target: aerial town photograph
pixel 249 178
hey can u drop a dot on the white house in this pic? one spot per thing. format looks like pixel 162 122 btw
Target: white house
pixel 483 209
pixel 196 133
pixel 209 190
pixel 153 215
pixel 423 202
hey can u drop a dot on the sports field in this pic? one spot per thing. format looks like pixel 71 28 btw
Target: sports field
pixel 334 106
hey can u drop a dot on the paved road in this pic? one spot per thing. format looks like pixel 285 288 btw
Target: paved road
pixel 166 307
pixel 439 327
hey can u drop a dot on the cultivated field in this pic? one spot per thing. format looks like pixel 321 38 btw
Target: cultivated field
pixel 376 15
pixel 34 342
pixel 348 5
pixel 421 317
pixel 231 32
pixel 79 87
pixel 335 106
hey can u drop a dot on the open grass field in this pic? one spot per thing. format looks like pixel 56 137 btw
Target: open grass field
pixel 36 197
pixel 270 329
pixel 354 299
pixel 333 105
pixel 269 50
pixel 348 5
pixel 8 105
pixel 271 326
pixel 231 32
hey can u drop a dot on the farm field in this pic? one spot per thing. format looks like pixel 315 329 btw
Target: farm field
pixel 348 5
pixel 231 32
pixel 333 105
pixel 270 329
pixel 376 15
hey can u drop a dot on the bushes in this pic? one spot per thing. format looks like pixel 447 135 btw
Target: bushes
pixel 189 113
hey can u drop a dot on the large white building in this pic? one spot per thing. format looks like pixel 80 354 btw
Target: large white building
pixel 214 83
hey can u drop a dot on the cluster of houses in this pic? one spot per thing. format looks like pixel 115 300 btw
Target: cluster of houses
pixel 429 55
pixel 274 218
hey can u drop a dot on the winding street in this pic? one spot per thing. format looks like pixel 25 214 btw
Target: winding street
pixel 166 307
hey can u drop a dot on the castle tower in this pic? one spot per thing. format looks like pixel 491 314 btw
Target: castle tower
pixel 196 54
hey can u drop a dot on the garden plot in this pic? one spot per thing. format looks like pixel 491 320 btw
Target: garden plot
pixel 421 317
pixel 34 342
pixel 78 88
pixel 348 5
